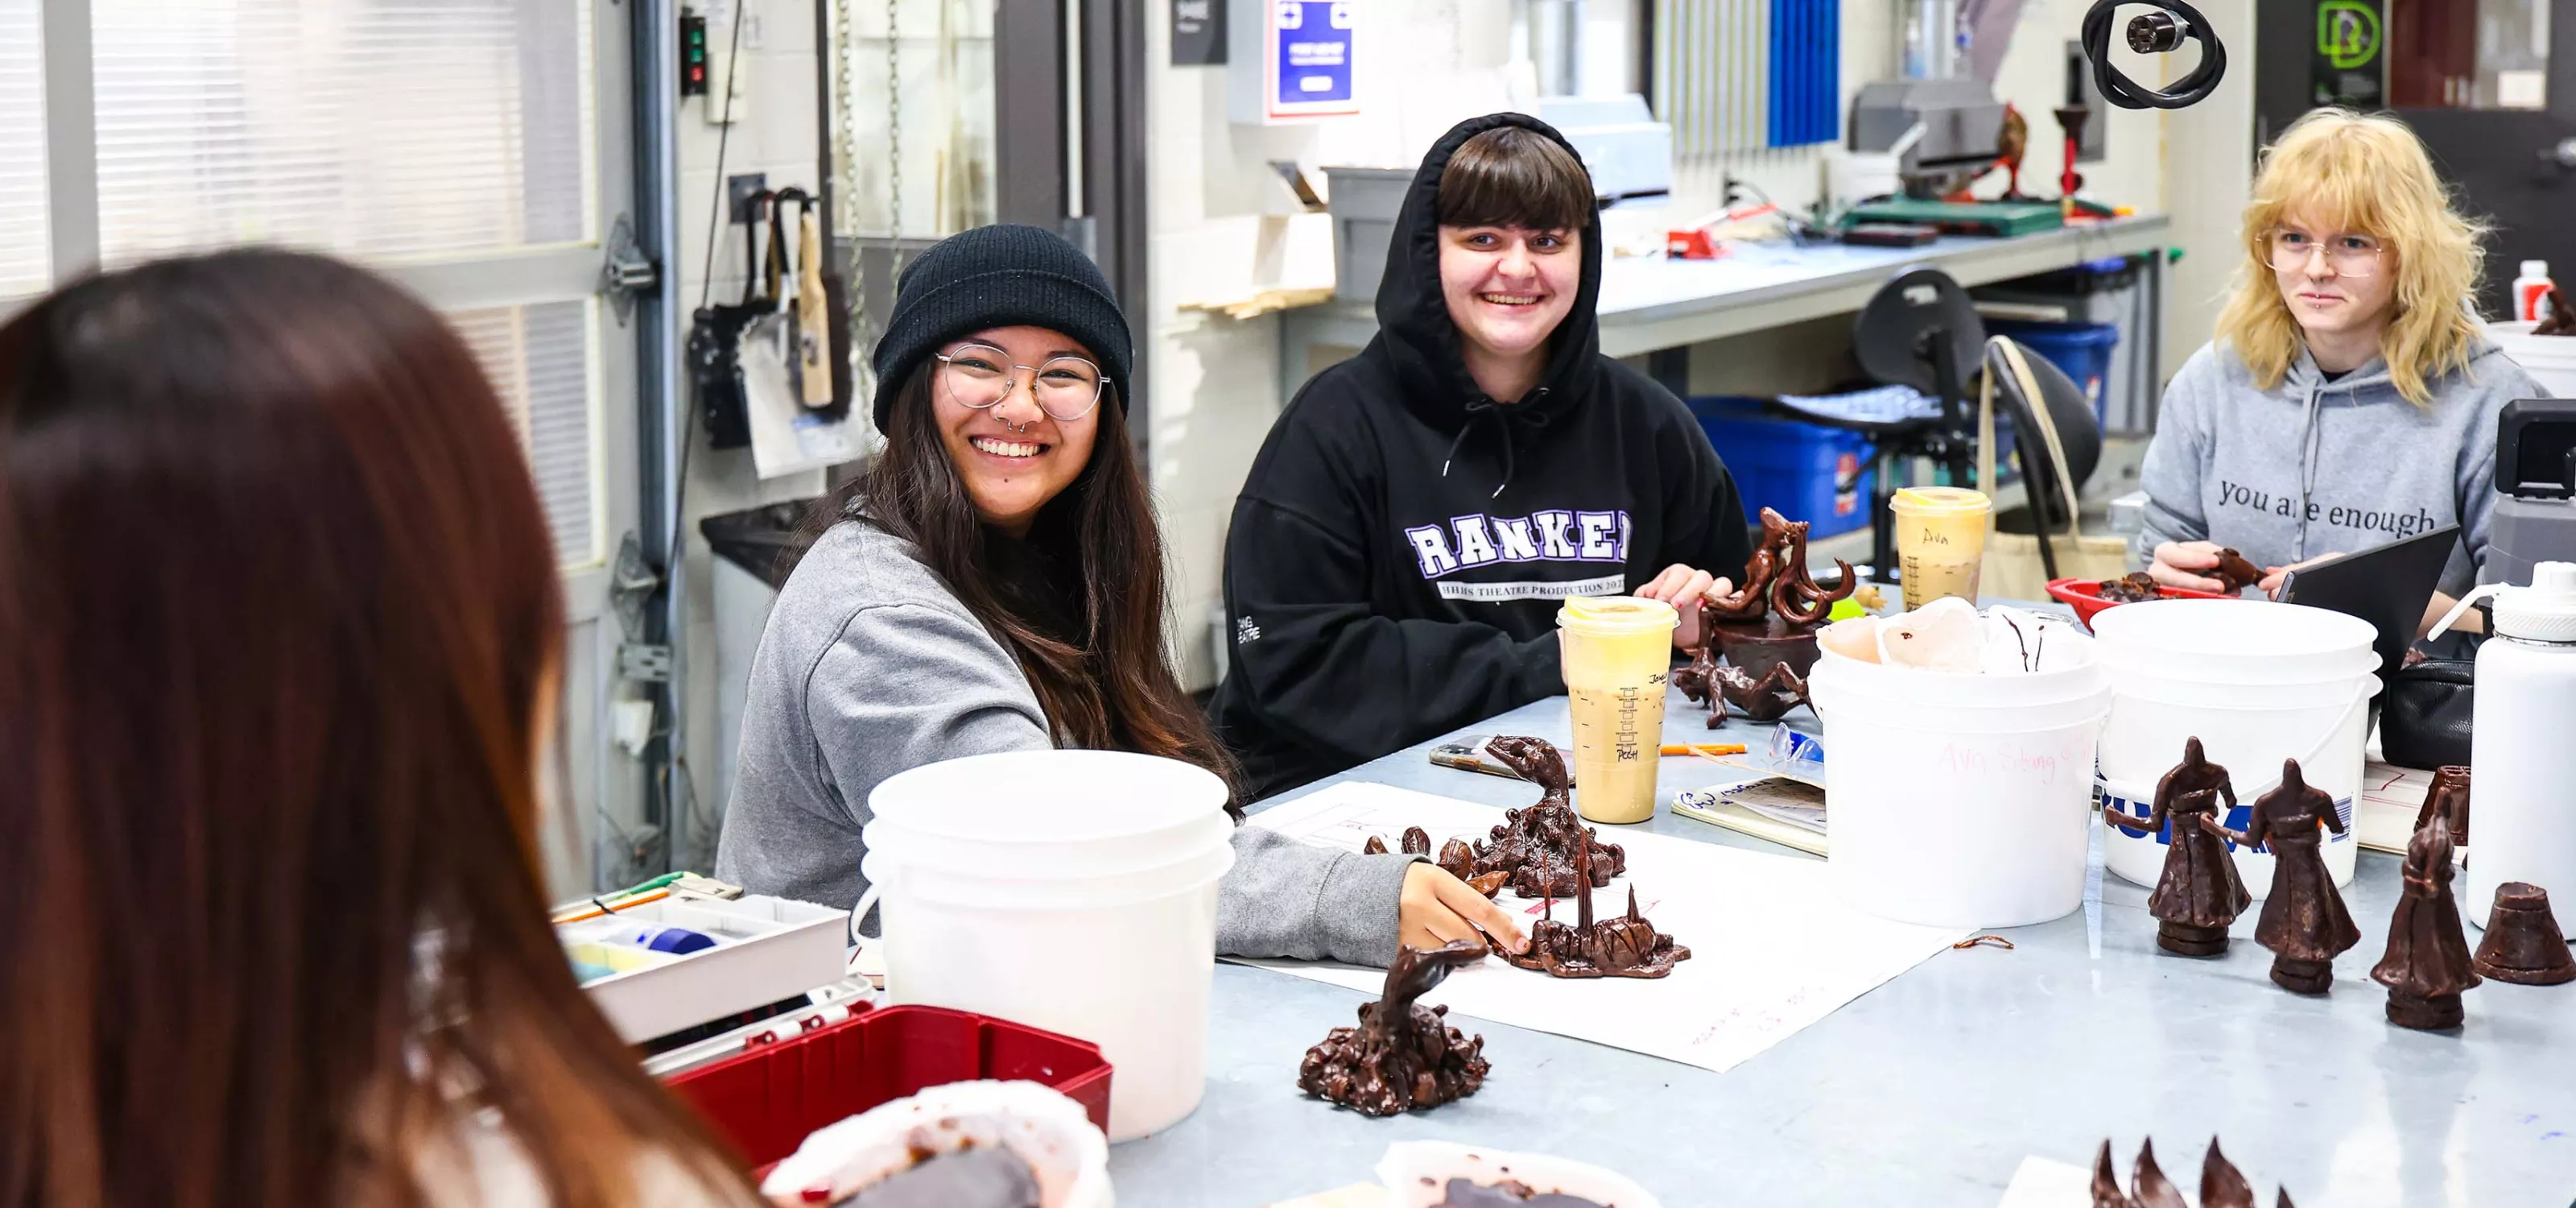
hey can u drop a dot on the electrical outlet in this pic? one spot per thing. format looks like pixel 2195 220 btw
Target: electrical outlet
pixel 742 196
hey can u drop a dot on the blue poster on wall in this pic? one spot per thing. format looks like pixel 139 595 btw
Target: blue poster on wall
pixel 1311 64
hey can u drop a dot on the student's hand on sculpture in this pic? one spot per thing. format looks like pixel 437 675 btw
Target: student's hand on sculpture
pixel 1684 587
pixel 2183 563
pixel 1438 908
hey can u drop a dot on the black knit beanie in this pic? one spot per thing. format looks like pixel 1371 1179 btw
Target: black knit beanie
pixel 999 276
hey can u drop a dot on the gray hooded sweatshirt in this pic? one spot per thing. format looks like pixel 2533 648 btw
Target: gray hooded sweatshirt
pixel 2314 467
pixel 870 666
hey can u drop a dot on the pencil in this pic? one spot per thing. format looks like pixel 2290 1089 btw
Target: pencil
pixel 1705 748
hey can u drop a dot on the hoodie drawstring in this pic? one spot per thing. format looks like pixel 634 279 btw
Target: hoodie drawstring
pixel 1504 418
pixel 2311 443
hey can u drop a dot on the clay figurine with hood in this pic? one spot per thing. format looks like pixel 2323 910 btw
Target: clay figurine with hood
pixel 1421 511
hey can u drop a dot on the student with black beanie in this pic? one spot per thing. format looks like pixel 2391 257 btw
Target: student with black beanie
pixel 1421 511
pixel 994 582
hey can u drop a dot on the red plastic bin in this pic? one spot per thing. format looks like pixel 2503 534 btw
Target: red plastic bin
pixel 768 1098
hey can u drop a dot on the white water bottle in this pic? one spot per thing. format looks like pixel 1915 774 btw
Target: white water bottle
pixel 2522 795
pixel 2531 295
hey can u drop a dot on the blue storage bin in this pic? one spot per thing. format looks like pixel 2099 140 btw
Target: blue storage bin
pixel 1803 471
pixel 2083 350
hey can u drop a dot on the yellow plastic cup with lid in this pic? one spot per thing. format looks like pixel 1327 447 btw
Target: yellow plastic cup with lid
pixel 1940 541
pixel 1617 655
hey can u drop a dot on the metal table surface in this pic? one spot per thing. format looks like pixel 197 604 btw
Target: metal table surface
pixel 1931 1089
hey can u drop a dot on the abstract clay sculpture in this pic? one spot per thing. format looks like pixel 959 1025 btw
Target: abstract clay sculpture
pixel 1627 946
pixel 1768 622
pixel 2304 922
pixel 1535 849
pixel 2197 894
pixel 2135 588
pixel 2448 798
pixel 2221 1184
pixel 1456 858
pixel 1403 1056
pixel 2428 962
pixel 2234 573
pixel 2561 321
pixel 2523 944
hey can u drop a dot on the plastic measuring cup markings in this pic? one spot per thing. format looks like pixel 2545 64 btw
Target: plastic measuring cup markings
pixel 1940 541
pixel 1616 653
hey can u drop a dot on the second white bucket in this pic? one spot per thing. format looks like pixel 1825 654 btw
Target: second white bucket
pixel 1113 951
pixel 1951 814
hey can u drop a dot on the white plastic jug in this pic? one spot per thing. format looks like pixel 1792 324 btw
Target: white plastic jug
pixel 2522 743
pixel 1021 886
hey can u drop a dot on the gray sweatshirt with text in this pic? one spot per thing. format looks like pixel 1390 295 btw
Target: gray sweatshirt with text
pixel 870 666
pixel 2314 467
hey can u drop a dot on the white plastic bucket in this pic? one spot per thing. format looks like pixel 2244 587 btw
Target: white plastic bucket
pixel 2145 739
pixel 2233 641
pixel 2550 360
pixel 1959 800
pixel 1092 915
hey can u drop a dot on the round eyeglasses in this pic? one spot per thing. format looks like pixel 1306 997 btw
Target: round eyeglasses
pixel 981 376
pixel 2351 255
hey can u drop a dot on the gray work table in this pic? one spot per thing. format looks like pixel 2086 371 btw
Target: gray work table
pixel 1930 1089
pixel 1650 304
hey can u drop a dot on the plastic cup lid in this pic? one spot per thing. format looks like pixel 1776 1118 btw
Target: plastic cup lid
pixel 1937 500
pixel 1617 614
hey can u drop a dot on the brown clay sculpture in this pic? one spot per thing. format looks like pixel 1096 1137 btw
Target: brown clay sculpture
pixel 1627 946
pixel 2304 922
pixel 2428 963
pixel 2448 798
pixel 2221 1184
pixel 2197 894
pixel 1535 848
pixel 1403 1056
pixel 2234 573
pixel 1510 1193
pixel 1456 858
pixel 2561 320
pixel 2523 944
pixel 2135 588
pixel 1768 622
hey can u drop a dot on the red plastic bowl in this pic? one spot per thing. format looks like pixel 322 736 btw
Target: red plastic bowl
pixel 2085 596
pixel 768 1098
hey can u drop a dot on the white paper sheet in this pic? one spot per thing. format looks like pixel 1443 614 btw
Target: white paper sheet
pixel 2044 1183
pixel 2391 796
pixel 1770 951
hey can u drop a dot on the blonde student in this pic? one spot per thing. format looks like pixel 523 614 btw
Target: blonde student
pixel 2349 398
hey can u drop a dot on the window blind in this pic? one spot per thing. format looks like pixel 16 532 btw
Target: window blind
pixel 25 256
pixel 382 129
pixel 539 357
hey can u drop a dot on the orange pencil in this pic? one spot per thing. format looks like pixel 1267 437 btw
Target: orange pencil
pixel 1705 748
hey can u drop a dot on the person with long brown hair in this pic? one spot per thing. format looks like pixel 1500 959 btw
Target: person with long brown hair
pixel 994 582
pixel 280 634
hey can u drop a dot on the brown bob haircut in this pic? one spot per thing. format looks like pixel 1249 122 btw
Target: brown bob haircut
pixel 1513 176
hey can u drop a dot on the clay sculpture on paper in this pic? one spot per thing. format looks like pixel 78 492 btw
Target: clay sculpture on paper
pixel 1535 848
pixel 2523 944
pixel 1456 858
pixel 2428 962
pixel 2304 922
pixel 2197 894
pixel 2448 797
pixel 1627 946
pixel 2221 1184
pixel 1766 624
pixel 1403 1056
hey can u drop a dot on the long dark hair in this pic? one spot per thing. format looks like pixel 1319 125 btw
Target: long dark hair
pixel 1079 603
pixel 277 606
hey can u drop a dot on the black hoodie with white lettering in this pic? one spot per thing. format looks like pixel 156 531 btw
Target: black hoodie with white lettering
pixel 1400 550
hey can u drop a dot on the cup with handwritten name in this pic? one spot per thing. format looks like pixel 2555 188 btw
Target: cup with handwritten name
pixel 1940 541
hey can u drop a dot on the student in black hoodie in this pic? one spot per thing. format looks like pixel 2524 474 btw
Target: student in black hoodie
pixel 1420 512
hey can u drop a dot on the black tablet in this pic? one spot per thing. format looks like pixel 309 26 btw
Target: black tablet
pixel 2388 587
